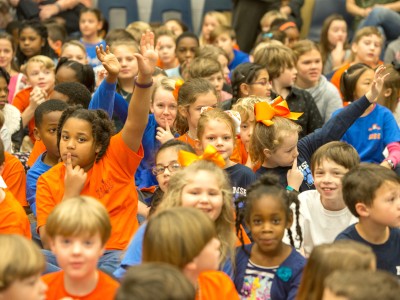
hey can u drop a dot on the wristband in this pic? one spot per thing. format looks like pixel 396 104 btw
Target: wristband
pixel 58 6
pixel 391 164
pixel 143 85
pixel 290 189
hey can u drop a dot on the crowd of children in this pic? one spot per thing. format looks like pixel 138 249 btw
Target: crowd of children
pixel 154 163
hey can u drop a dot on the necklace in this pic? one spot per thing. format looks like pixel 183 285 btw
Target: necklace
pixel 124 94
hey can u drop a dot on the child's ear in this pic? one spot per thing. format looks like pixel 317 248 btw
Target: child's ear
pixel 99 25
pixel 2 168
pixel 36 134
pixel 362 209
pixel 198 145
pixel 267 153
pixel 354 47
pixel 98 148
pixel 183 111
pixel 387 92
pixel 244 89
pixel 52 245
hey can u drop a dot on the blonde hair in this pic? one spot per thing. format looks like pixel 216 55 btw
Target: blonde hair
pixel 327 258
pixel 211 51
pixel 304 46
pixel 224 224
pixel 137 28
pixel 202 67
pixel 20 259
pixel 79 216
pixel 46 61
pixel 392 81
pixel 221 19
pixel 164 31
pixel 177 235
pixel 366 31
pixel 128 43
pixel 164 83
pixel 218 115
pixel 73 43
pixel 245 107
pixel 270 137
pixel 271 16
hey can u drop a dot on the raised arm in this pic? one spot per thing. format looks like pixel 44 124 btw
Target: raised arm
pixel 139 106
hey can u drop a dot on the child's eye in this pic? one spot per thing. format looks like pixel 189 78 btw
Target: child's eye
pixel 210 138
pixel 52 130
pixel 257 221
pixel 276 221
pixel 244 126
pixel 64 137
pixel 81 140
pixel 227 138
pixel 88 243
pixel 65 241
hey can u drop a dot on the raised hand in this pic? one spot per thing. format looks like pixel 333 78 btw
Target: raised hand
pixel 109 61
pixel 147 59
pixel 295 176
pixel 75 178
pixel 164 135
pixel 377 84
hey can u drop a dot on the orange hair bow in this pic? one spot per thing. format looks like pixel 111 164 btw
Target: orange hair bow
pixel 265 112
pixel 178 85
pixel 210 153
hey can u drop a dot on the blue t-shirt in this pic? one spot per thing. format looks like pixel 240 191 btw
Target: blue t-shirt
pixel 239 57
pixel 387 254
pixel 240 177
pixel 370 134
pixel 32 176
pixel 91 52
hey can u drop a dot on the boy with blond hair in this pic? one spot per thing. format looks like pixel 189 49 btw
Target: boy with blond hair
pixel 78 229
pixel 372 193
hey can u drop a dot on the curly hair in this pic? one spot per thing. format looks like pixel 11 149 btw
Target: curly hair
pixel 83 73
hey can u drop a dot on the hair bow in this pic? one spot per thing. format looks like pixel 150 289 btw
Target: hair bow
pixel 178 85
pixel 210 153
pixel 235 116
pixel 264 111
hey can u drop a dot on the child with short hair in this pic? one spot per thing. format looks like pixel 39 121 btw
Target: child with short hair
pixel 323 213
pixel 276 145
pixel 78 229
pixel 268 18
pixel 155 280
pixel 372 194
pixel 57 36
pixel 165 41
pixel 211 20
pixel 225 38
pixel 268 268
pixel 74 50
pixel 73 93
pixel 280 63
pixel 40 73
pixel 327 258
pixel 73 71
pixel 20 267
pixel 219 55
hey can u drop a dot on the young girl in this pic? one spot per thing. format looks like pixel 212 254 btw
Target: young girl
pixel 166 49
pixel 74 50
pixel 186 238
pixel 33 41
pixel 275 140
pixel 192 96
pixel 309 68
pixel 390 94
pixel 269 268
pixel 211 20
pixel 376 128
pixel 218 128
pixel 327 258
pixel 221 56
pixel 98 164
pixel 20 268
pixel 333 42
pixel 176 26
pixel 73 71
pixel 90 24
pixel 7 52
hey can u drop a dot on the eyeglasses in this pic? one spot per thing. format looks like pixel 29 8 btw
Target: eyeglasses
pixel 262 82
pixel 173 166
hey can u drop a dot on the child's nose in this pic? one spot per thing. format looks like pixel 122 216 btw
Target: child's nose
pixel 76 248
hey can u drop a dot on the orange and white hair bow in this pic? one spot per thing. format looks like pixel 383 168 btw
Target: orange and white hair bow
pixel 264 111
pixel 178 84
pixel 235 116
pixel 210 153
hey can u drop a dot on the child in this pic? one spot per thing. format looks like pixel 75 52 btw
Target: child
pixel 333 43
pixel 192 96
pixel 219 129
pixel 166 49
pixel 73 93
pixel 90 24
pixel 390 94
pixel 281 66
pixel 20 269
pixel 189 242
pixel 309 67
pixel 156 280
pixel 176 26
pixel 47 116
pixel 268 268
pixel 372 194
pixel 365 48
pixel 376 128
pixel 57 36
pixel 268 18
pixel 74 50
pixel 73 71
pixel 187 45
pixel 323 211
pixel 327 258
pixel 39 71
pixel 78 229
pixel 33 41
pixel 211 20
pixel 99 164
pixel 218 54
pixel 277 146
pixel 289 28
pixel 224 37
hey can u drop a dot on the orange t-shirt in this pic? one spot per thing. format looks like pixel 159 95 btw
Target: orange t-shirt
pixel 38 148
pixel 21 101
pixel 239 154
pixel 216 285
pixel 15 178
pixel 106 287
pixel 246 238
pixel 188 140
pixel 13 219
pixel 111 180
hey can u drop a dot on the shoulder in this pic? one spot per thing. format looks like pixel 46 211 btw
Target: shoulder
pixel 107 281
pixel 350 233
pixel 395 234
pixel 53 278
pixel 308 196
pixel 54 174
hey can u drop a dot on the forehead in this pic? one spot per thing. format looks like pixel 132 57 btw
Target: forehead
pixel 199 177
pixel 188 42
pixel 73 49
pixel 328 163
pixel 337 24
pixel 29 31
pixel 268 204
pixel 5 43
pixel 89 15
pixel 35 65
pixel 163 95
pixel 371 37
pixel 74 124
pixel 206 99
pixel 51 117
pixel 367 74
pixel 167 155
pixel 218 124
pixel 262 74
pixel 166 39
pixel 289 138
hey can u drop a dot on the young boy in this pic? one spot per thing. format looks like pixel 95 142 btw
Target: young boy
pixel 323 213
pixel 224 37
pixel 20 267
pixel 372 193
pixel 280 63
pixel 78 229
pixel 47 116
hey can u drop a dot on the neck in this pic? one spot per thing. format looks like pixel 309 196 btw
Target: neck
pixel 83 286
pixel 372 232
pixel 270 259
pixel 91 39
pixel 192 133
pixel 269 165
pixel 170 65
pixel 333 204
pixel 368 110
pixel 192 275
pixel 50 160
pixel 279 90
pixel 127 84
pixel 305 84
pixel 229 163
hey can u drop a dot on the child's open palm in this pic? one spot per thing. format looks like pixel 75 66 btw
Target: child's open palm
pixel 147 60
pixel 377 84
pixel 109 61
